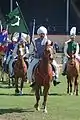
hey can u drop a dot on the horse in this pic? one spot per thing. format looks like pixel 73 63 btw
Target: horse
pixel 43 75
pixel 20 71
pixel 72 72
pixel 2 59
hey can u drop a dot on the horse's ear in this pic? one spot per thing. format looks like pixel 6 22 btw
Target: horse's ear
pixel 46 43
pixel 51 43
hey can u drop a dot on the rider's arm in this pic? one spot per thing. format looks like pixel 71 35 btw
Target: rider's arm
pixel 65 49
pixel 77 49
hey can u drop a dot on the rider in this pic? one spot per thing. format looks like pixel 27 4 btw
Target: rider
pixel 11 47
pixel 14 54
pixel 39 44
pixel 71 46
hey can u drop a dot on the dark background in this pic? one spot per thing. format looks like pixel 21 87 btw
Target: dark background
pixel 51 14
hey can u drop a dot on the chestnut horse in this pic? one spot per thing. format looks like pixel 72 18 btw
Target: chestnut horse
pixel 43 75
pixel 20 71
pixel 73 69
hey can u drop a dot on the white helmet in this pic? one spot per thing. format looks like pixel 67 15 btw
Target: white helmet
pixel 42 29
pixel 73 31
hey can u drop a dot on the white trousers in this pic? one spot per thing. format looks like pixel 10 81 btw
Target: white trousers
pixel 30 68
pixel 34 62
pixel 65 59
pixel 8 59
pixel 56 67
pixel 10 66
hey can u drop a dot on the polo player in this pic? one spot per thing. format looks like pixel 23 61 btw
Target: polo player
pixel 71 47
pixel 39 44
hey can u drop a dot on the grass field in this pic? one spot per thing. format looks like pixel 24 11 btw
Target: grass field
pixel 60 105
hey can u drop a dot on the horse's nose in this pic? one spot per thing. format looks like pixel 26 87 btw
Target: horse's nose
pixel 51 57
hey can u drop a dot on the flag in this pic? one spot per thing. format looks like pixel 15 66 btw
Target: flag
pixel 16 22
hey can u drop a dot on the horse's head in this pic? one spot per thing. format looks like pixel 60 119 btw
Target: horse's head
pixel 20 51
pixel 72 59
pixel 48 51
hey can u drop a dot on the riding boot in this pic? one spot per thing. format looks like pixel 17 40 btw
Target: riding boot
pixel 32 84
pixel 55 81
pixel 55 76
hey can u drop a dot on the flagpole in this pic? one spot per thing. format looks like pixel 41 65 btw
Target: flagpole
pixel 11 9
pixel 33 29
pixel 0 26
pixel 32 32
pixel 11 5
pixel 67 17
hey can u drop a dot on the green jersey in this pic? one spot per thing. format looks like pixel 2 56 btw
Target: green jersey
pixel 72 47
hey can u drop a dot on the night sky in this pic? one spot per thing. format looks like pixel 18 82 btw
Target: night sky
pixel 5 5
pixel 30 8
pixel 39 10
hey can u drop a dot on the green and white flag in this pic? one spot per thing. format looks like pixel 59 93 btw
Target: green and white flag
pixel 16 22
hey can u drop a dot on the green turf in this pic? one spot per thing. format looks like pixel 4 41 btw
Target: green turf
pixel 60 106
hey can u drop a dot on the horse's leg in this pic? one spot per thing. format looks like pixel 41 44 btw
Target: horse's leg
pixel 13 83
pixel 67 85
pixel 71 86
pixel 74 88
pixel 45 93
pixel 21 87
pixel 9 82
pixel 16 85
pixel 76 85
pixel 41 92
pixel 2 75
pixel 37 93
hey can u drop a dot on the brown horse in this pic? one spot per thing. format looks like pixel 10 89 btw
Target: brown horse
pixel 3 74
pixel 43 75
pixel 20 71
pixel 73 69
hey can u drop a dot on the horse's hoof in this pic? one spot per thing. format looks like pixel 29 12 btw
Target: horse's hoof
pixel 77 94
pixel 45 110
pixel 74 93
pixel 43 104
pixel 71 94
pixel 20 93
pixel 16 91
pixel 37 107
